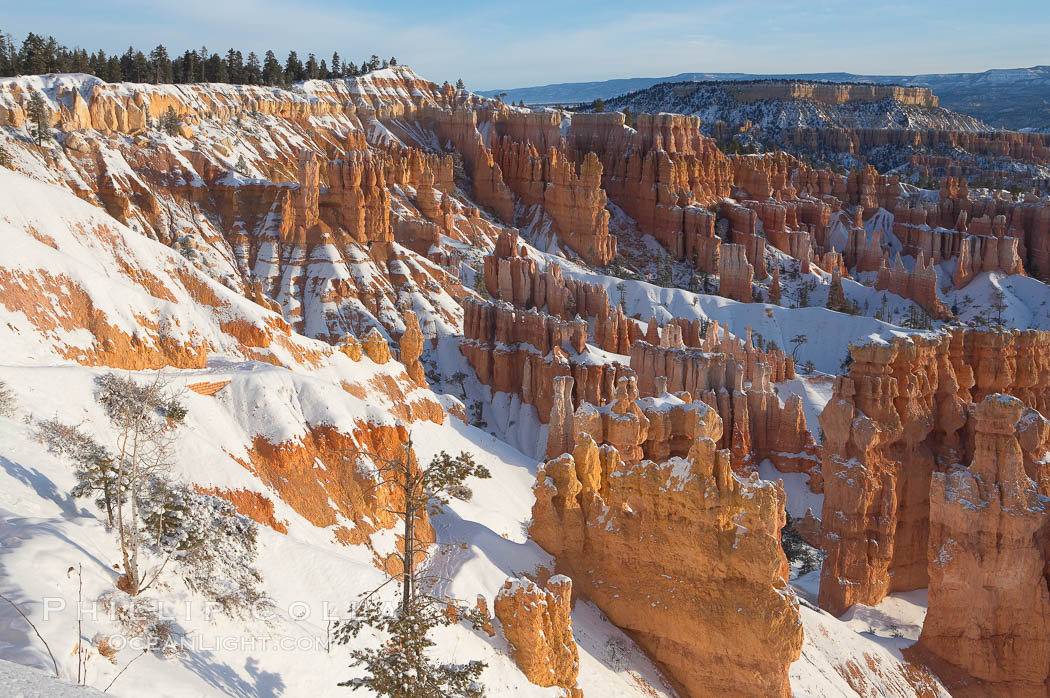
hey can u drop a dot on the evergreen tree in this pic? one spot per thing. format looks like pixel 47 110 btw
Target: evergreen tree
pixel 252 70
pixel 215 69
pixel 53 62
pixel 337 66
pixel 272 74
pixel 95 467
pixel 400 667
pixel 293 68
pixel 350 70
pixel 459 84
pixel 162 70
pixel 33 59
pixel 113 73
pixel 39 116
pixel 393 61
pixel 598 105
pixel 11 62
pixel 141 67
pixel 169 122
pixel 234 67
pixel 312 69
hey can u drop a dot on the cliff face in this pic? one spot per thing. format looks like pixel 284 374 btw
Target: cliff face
pixel 987 631
pixel 521 352
pixel 899 416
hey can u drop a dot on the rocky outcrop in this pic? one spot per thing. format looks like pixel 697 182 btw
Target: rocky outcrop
pixel 575 202
pixel 735 274
pixel 987 631
pixel 735 379
pixel 683 555
pixel 411 348
pixel 918 284
pixel 537 625
pixel 521 352
pixel 898 417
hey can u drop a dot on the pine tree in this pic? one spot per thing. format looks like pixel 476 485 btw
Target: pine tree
pixel 459 84
pixel 598 105
pixel 234 66
pixel 33 59
pixel 393 61
pixel 169 122
pixel 5 67
pixel 113 72
pixel 337 65
pixel 252 70
pixel 215 69
pixel 400 667
pixel 162 72
pixel 95 467
pixel 313 71
pixel 272 73
pixel 39 116
pixel 293 68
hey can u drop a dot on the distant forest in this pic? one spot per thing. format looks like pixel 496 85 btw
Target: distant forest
pixel 39 55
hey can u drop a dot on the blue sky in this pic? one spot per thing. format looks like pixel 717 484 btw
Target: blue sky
pixel 493 44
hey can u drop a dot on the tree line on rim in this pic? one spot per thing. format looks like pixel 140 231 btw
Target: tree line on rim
pixel 39 55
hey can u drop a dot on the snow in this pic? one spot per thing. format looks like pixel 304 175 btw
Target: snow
pixel 25 682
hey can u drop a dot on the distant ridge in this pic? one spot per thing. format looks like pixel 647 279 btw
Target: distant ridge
pixel 1012 98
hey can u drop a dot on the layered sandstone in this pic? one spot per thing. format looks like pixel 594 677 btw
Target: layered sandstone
pixel 636 539
pixel 521 352
pixel 537 625
pixel 899 416
pixel 987 630
pixel 918 284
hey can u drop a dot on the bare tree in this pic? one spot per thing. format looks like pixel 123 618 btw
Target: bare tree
pixel 144 416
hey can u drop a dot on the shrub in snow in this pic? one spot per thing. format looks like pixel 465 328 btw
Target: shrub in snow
pixel 800 554
pixel 7 401
pixel 213 548
pixel 140 619
pixel 94 465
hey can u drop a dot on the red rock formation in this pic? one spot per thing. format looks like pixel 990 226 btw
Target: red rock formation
pixel 623 533
pixel 894 420
pixel 918 284
pixel 537 624
pixel 836 295
pixel 734 378
pixel 521 352
pixel 734 273
pixel 411 348
pixel 987 631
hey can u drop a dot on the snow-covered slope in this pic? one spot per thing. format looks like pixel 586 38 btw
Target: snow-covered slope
pixel 712 102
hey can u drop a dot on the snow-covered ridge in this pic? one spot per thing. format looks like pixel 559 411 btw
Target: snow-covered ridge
pixel 718 102
pixel 397 87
